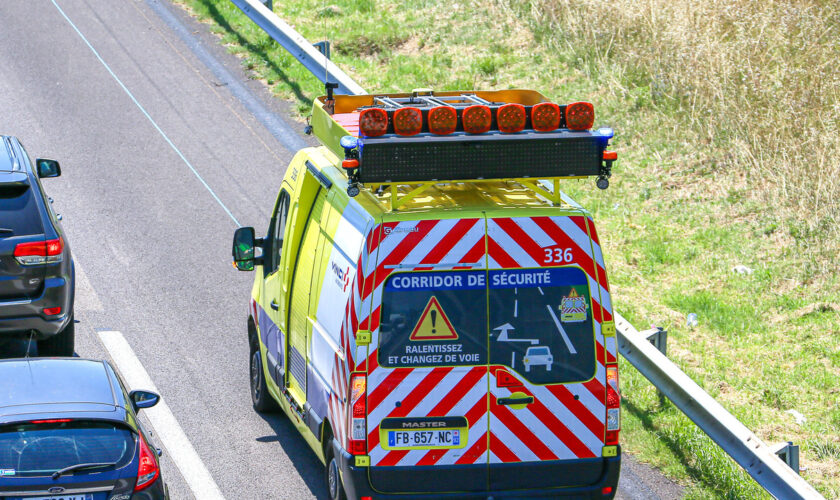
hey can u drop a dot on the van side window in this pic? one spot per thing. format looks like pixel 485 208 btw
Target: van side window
pixel 279 229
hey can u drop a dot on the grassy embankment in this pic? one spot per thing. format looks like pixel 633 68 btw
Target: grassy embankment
pixel 726 113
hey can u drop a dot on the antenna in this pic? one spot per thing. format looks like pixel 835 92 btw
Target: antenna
pixel 329 104
pixel 29 344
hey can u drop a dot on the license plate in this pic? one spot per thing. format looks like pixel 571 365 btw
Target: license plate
pixel 76 496
pixel 448 438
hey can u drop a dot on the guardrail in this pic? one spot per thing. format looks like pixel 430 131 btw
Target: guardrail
pixel 313 60
pixel 759 460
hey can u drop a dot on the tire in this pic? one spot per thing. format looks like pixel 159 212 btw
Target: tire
pixel 335 490
pixel 61 344
pixel 260 398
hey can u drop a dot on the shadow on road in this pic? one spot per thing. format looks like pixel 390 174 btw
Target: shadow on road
pixel 307 465
pixel 259 50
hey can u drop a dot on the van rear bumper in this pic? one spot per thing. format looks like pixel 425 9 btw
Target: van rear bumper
pixel 357 483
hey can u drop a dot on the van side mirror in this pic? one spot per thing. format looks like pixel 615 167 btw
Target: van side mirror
pixel 47 168
pixel 244 244
pixel 143 399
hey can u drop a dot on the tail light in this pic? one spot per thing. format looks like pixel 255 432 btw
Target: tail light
pixel 545 116
pixel 373 122
pixel 613 406
pixel 442 120
pixel 511 118
pixel 356 441
pixel 408 121
pixel 149 470
pixel 477 119
pixel 39 252
pixel 580 116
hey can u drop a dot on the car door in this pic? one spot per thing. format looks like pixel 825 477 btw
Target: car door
pixel 547 375
pixel 427 372
pixel 305 271
pixel 274 326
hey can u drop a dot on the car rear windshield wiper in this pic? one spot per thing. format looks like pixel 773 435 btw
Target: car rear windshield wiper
pixel 57 474
pixel 3 230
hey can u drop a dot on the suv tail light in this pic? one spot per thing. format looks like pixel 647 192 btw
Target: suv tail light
pixel 39 252
pixel 149 470
pixel 356 441
pixel 613 406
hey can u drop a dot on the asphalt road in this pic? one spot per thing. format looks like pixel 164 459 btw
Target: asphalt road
pixel 165 145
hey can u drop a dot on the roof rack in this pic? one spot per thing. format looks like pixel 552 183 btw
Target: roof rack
pixel 424 138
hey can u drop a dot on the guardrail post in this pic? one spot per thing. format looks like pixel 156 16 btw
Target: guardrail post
pixel 658 336
pixel 789 453
pixel 323 47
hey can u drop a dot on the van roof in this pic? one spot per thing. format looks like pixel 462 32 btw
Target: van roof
pixel 459 196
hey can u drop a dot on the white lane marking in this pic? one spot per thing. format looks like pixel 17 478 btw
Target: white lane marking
pixel 516 308
pixel 86 298
pixel 561 330
pixel 180 449
pixel 147 115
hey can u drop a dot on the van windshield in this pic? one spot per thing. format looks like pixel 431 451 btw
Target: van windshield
pixel 434 319
pixel 541 324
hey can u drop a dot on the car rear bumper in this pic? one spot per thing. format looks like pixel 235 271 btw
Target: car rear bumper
pixel 20 317
pixel 357 483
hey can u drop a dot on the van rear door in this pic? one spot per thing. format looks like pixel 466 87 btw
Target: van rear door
pixel 427 381
pixel 547 374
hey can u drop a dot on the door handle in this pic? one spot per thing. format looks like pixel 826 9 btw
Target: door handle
pixel 516 401
pixel 275 305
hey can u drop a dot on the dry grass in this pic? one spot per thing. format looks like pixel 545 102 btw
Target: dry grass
pixel 754 79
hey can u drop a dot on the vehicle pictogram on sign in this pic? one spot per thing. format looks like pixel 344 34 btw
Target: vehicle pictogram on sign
pixel 433 324
pixel 573 308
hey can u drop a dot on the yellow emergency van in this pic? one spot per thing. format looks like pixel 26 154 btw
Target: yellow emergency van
pixel 430 310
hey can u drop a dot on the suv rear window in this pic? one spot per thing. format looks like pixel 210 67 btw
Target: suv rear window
pixel 39 449
pixel 434 319
pixel 18 212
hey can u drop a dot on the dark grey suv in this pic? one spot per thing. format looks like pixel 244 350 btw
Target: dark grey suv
pixel 36 267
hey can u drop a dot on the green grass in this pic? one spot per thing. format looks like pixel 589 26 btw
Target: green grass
pixel 726 116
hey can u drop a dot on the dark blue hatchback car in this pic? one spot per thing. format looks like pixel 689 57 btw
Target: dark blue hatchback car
pixel 69 431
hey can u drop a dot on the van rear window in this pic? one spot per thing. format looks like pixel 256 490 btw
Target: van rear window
pixel 434 319
pixel 541 324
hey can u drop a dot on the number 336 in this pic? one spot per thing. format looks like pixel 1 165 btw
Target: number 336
pixel 558 255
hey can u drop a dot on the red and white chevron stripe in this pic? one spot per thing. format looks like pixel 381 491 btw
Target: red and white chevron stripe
pixel 558 425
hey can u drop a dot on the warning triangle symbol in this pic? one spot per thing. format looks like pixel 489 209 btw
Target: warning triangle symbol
pixel 433 324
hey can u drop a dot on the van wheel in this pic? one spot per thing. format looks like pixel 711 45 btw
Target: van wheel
pixel 60 344
pixel 261 399
pixel 334 487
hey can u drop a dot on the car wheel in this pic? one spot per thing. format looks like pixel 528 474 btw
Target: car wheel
pixel 334 487
pixel 260 397
pixel 61 344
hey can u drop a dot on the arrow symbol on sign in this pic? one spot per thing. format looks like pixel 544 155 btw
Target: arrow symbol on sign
pixel 503 335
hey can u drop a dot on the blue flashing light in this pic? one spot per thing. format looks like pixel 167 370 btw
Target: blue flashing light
pixel 348 142
pixel 605 134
